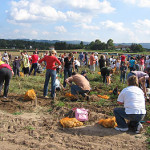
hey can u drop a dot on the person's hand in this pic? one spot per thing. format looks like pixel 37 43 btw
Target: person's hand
pixel 12 73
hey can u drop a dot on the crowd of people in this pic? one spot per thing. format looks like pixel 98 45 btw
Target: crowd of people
pixel 133 97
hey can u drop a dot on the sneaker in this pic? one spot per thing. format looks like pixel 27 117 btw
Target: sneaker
pixel 139 128
pixel 87 97
pixel 4 97
pixel 121 129
pixel 46 97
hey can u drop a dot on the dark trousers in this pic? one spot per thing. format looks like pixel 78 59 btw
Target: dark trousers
pixel 5 76
pixel 34 66
pixel 16 71
pixel 67 73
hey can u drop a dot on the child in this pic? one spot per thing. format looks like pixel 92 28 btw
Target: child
pixel 16 66
pixel 123 69
pixel 77 64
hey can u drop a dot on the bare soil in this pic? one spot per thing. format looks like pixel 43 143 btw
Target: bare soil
pixel 24 127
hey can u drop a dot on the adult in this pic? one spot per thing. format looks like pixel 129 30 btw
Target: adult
pixel 82 85
pixel 6 73
pixel 131 64
pixel 96 58
pixel 25 62
pixel 81 57
pixel 142 60
pixel 123 59
pixel 34 58
pixel 50 72
pixel 92 62
pixel 142 77
pixel 102 62
pixel 147 63
pixel 68 65
pixel 134 110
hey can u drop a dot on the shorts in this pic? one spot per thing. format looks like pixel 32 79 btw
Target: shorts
pixel 26 70
pixel 92 67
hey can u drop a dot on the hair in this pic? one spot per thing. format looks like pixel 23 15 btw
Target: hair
pixel 74 73
pixel 102 57
pixel 52 52
pixel 70 55
pixel 133 81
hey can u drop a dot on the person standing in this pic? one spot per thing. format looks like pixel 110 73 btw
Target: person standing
pixel 16 66
pixel 102 62
pixel 81 57
pixel 134 110
pixel 6 73
pixel 92 62
pixel 68 65
pixel 34 58
pixel 51 59
pixel 25 63
pixel 132 64
pixel 142 60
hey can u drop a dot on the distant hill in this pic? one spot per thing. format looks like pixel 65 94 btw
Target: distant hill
pixel 145 45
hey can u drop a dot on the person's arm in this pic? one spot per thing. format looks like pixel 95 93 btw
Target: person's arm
pixel 69 80
pixel 40 61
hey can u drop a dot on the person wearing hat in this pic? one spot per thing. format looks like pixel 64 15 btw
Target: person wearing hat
pixel 142 77
pixel 51 66
pixel 84 74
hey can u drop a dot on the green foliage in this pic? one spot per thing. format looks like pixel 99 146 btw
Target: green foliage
pixel 29 128
pixel 17 113
pixel 136 48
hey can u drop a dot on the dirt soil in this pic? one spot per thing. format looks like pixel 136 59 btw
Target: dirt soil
pixel 24 127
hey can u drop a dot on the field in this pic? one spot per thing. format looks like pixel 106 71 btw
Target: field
pixel 26 127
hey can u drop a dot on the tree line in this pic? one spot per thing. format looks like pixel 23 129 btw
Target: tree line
pixel 94 45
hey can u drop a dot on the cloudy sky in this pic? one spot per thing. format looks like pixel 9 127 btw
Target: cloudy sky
pixel 86 20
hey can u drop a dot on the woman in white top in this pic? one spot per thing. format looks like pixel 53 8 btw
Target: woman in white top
pixel 134 110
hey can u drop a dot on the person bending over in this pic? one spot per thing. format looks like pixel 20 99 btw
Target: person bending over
pixel 82 85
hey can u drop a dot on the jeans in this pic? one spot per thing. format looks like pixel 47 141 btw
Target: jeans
pixel 123 76
pixel 75 89
pixel 34 66
pixel 52 74
pixel 121 116
pixel 5 75
pixel 67 73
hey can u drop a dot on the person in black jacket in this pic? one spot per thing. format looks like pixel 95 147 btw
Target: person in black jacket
pixel 102 62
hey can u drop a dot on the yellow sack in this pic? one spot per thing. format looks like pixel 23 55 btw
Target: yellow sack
pixel 21 74
pixel 70 122
pixel 103 96
pixel 30 95
pixel 108 123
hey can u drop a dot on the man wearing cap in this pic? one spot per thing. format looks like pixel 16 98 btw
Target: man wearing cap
pixel 82 85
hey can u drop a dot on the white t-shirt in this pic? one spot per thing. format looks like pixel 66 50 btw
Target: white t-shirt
pixel 57 83
pixel 76 62
pixel 133 99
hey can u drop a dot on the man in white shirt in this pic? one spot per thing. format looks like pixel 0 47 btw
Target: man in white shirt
pixel 134 109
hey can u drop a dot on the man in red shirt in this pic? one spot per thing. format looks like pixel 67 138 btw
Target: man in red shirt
pixel 34 58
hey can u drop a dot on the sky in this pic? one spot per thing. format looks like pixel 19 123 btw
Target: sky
pixel 123 21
